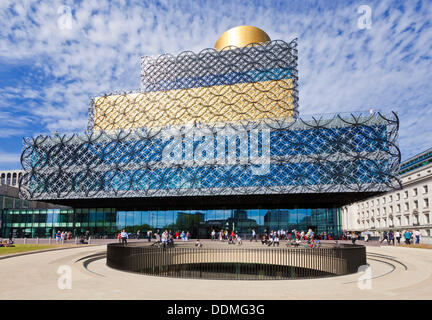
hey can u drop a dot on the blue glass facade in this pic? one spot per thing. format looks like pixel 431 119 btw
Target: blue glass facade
pixel 212 161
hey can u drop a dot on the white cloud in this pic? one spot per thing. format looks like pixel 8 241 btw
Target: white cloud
pixel 9 161
pixel 341 68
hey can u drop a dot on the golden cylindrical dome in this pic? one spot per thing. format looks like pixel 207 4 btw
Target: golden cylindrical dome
pixel 241 36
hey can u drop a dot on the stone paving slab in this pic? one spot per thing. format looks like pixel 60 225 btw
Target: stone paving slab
pixel 35 277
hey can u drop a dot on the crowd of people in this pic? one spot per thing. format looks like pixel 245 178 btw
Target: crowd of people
pixel 272 238
pixel 63 236
pixel 294 238
pixel 7 243
pixel 232 237
pixel 394 237
pixel 165 238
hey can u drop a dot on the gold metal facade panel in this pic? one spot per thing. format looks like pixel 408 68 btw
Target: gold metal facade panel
pixel 241 36
pixel 227 103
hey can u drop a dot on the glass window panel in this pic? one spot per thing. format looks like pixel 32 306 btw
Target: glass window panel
pixel 42 217
pixel 110 218
pixel 9 216
pixel 92 217
pixel 8 202
pixel 83 218
pixel 70 217
pixel 137 219
pixel 161 219
pixel 169 220
pixel 153 219
pixel 35 217
pixel 18 203
pixel 100 217
pixel 55 217
pixel 121 219
pixel 63 217
pixel 49 217
pixel 145 219
pixel 211 222
pixel 209 215
pixel 20 217
pixel 219 215
pixel 130 220
pixel 29 218
pixel 156 219
pixel 253 220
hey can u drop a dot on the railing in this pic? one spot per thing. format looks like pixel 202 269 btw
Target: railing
pixel 236 263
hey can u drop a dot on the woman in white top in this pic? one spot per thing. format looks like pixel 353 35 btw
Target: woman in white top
pixel 239 241
pixel 398 236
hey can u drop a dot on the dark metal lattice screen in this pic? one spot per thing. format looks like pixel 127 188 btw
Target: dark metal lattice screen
pixel 353 153
pixel 213 123
pixel 242 84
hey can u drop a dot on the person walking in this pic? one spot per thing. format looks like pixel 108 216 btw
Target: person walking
pixel 158 238
pixel 354 237
pixel 149 235
pixel 276 241
pixel 119 237
pixel 309 235
pixel 253 236
pixel 58 235
pixel 124 237
pixel 391 237
pixel 398 236
pixel 213 235
pixel 187 236
pixel 164 238
pixel 366 236
pixel 407 235
pixel 239 240
pixel 417 236
pixel 385 237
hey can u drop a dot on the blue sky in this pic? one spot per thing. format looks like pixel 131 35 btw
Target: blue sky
pixel 49 69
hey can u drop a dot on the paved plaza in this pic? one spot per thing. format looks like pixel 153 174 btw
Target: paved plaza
pixel 396 273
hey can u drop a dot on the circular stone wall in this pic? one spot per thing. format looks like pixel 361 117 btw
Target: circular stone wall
pixel 236 262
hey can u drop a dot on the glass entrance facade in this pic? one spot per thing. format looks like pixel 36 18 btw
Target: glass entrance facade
pixel 107 222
